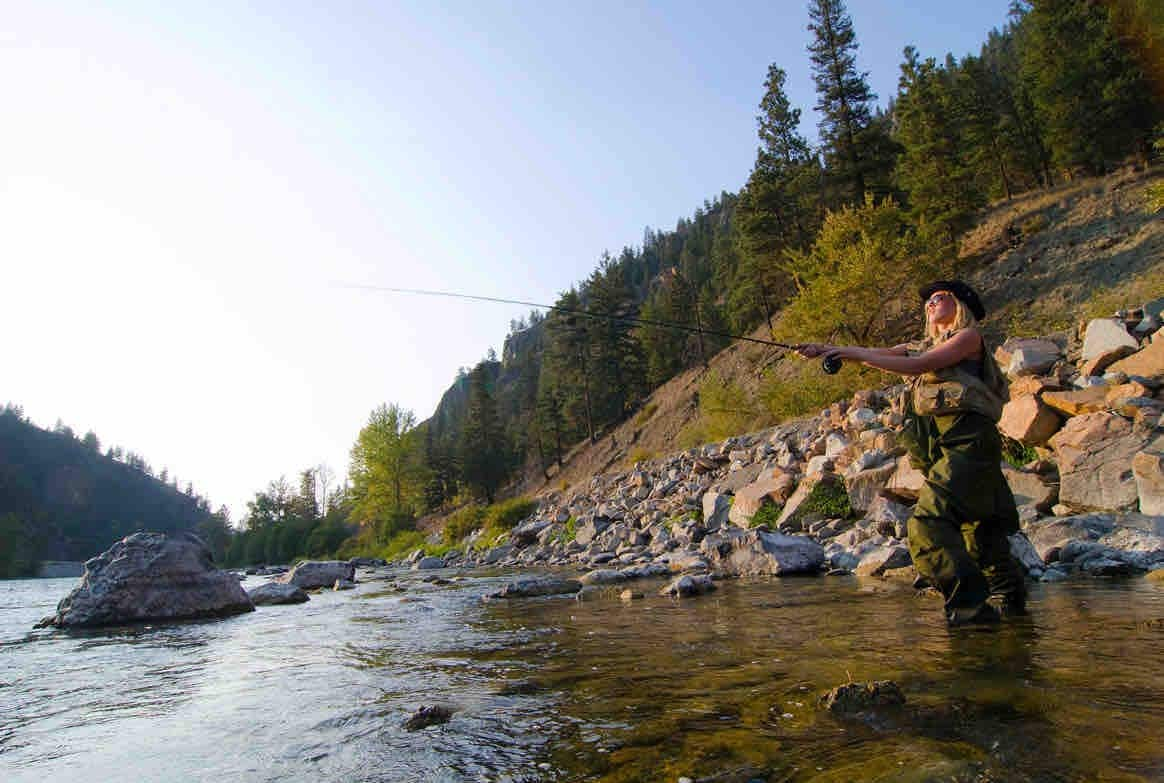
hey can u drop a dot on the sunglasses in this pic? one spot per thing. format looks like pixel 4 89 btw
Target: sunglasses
pixel 937 298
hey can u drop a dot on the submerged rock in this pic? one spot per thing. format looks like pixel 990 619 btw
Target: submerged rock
pixel 859 696
pixel 689 585
pixel 277 593
pixel 738 552
pixel 151 576
pixel 535 586
pixel 429 715
pixel 319 573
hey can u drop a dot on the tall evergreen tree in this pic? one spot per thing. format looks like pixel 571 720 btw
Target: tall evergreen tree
pixel 844 98
pixel 1090 92
pixel 485 457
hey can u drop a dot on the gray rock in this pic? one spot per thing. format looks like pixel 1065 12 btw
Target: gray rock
pixel 590 529
pixel 689 585
pixel 603 576
pixel 535 586
pixel 716 508
pixel 1024 551
pixel 736 552
pixel 1095 453
pixel 1031 489
pixel 343 584
pixel 428 563
pixel 877 561
pixel 1024 356
pixel 319 573
pixel 273 593
pixel 150 576
pixel 497 554
pixel 865 486
pixel 527 533
pixel 1050 536
pixel 1104 336
pixel 426 716
pixel 857 697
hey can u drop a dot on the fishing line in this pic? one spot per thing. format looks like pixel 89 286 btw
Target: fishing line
pixel 829 363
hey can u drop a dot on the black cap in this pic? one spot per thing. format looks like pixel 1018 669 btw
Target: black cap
pixel 964 293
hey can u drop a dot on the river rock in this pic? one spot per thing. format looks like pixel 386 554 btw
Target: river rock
pixel 866 486
pixel 535 586
pixel 273 593
pixel 877 561
pixel 1095 461
pixel 1026 356
pixel 751 498
pixel 1024 551
pixel 1031 489
pixel 602 576
pixel 906 481
pixel 737 552
pixel 716 508
pixel 368 562
pixel 1028 420
pixel 1076 403
pixel 1050 536
pixel 1148 470
pixel 150 576
pixel 689 585
pixel 1147 362
pixel 1105 336
pixel 860 696
pixel 590 529
pixel 429 715
pixel 313 574
pixel 528 532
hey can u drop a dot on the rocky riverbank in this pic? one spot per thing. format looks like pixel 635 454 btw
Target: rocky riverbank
pixel 834 491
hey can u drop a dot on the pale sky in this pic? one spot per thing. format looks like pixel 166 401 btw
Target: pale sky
pixel 184 187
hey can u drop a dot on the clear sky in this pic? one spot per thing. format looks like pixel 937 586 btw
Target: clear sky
pixel 183 187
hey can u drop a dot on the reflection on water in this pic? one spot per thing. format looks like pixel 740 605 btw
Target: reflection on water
pixel 723 687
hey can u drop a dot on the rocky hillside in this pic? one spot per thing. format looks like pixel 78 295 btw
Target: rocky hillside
pixel 834 491
pixel 1040 261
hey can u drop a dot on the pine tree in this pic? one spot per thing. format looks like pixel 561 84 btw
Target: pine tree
pixel 485 456
pixel 844 99
pixel 932 168
pixel 1090 93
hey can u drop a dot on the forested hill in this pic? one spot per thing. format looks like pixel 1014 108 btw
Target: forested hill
pixel 61 498
pixel 822 240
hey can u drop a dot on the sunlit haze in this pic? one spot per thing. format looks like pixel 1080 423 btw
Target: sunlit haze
pixel 185 188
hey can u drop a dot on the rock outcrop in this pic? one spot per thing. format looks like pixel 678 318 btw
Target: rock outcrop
pixel 273 593
pixel 315 574
pixel 151 577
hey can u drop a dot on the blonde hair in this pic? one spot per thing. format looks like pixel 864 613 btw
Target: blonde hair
pixel 963 319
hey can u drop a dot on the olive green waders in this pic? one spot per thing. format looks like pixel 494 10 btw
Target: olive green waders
pixel 959 528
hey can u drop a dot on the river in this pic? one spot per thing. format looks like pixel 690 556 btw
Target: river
pixel 722 687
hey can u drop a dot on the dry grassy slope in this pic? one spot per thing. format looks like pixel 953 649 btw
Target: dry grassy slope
pixel 1079 238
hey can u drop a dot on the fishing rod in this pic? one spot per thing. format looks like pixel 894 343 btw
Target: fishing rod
pixel 831 364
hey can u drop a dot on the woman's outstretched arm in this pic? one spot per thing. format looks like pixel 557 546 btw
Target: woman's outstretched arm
pixel 964 345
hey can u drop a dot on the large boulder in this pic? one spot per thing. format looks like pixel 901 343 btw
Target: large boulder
pixel 737 552
pixel 1148 470
pixel 151 576
pixel 277 593
pixel 1025 356
pixel 865 486
pixel 1095 454
pixel 1107 337
pixel 751 498
pixel 877 561
pixel 716 508
pixel 1031 489
pixel 1050 536
pixel 1076 403
pixel 536 586
pixel 1028 420
pixel 314 574
pixel 1146 363
pixel 906 481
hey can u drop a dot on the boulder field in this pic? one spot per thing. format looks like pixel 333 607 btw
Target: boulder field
pixel 834 491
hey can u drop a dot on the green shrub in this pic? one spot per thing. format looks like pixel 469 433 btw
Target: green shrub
pixel 828 499
pixel 809 389
pixel 1034 224
pixel 640 454
pixel 403 544
pixel 767 515
pixel 568 531
pixel 646 413
pixel 1128 293
pixel 506 514
pixel 1017 454
pixel 462 522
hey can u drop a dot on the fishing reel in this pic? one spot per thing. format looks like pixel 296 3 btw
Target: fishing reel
pixel 831 365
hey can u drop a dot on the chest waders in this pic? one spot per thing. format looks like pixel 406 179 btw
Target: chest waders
pixel 965 511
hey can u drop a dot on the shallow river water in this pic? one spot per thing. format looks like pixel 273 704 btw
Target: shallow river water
pixel 723 687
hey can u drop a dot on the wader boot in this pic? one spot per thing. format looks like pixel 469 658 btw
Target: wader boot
pixel 959 528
